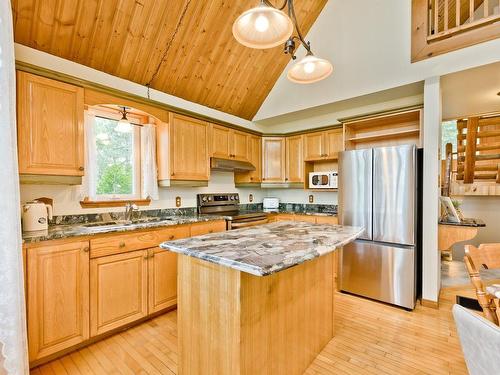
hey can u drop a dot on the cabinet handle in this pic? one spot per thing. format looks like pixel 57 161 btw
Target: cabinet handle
pixel 86 249
pixel 145 256
pixel 171 237
pixel 152 255
pixel 172 174
pixel 251 178
pixel 121 244
pixel 286 179
pixel 81 169
pixel 211 231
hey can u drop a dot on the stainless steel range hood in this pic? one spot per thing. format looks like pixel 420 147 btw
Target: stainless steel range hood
pixel 219 164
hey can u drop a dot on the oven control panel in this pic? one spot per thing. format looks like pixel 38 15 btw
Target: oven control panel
pixel 218 199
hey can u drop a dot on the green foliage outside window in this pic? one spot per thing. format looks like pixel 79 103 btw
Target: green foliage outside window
pixel 448 135
pixel 114 157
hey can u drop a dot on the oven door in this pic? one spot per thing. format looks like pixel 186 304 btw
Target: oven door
pixel 245 223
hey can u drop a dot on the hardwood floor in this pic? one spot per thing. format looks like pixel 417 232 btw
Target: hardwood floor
pixel 371 338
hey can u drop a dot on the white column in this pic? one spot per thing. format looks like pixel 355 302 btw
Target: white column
pixel 431 261
pixel 13 355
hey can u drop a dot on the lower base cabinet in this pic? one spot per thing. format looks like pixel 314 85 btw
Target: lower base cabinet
pixel 118 290
pixel 162 273
pixel 57 297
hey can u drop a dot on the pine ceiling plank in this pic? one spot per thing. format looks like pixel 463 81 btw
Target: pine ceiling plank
pixel 198 59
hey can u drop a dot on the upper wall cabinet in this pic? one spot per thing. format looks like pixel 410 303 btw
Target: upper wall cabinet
pixel 227 143
pixel 254 157
pixel 294 171
pixel 323 145
pixel 50 127
pixel 182 151
pixel 282 161
pixel 273 159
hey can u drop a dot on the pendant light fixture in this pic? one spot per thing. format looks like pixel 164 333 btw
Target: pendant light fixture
pixel 123 125
pixel 267 26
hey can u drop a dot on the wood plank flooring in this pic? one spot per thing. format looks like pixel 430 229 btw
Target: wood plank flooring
pixel 371 338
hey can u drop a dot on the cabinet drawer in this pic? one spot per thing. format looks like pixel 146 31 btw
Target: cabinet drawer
pixel 199 229
pixel 135 241
pixel 327 220
pixel 306 218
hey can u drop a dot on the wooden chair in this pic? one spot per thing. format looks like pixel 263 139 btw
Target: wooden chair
pixel 486 256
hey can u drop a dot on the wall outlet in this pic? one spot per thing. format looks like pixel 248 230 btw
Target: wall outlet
pixel 250 198
pixel 178 201
pixel 311 198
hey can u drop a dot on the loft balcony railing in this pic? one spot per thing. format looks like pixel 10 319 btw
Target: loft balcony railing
pixel 451 17
pixel 441 26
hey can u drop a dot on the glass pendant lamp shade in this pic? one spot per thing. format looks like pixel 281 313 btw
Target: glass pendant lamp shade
pixel 262 27
pixel 123 125
pixel 310 69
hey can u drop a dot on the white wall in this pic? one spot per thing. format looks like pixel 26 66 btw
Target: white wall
pixel 431 260
pixel 484 208
pixel 368 42
pixel 302 196
pixel 67 198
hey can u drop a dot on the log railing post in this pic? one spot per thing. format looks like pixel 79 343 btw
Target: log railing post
pixel 470 149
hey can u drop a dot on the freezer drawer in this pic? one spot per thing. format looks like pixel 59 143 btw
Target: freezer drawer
pixel 379 271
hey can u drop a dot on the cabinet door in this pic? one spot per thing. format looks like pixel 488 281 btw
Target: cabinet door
pixel 314 146
pixel 273 159
pixel 162 274
pixel 57 297
pixel 294 159
pixel 239 145
pixel 221 141
pixel 334 141
pixel 254 157
pixel 118 290
pixel 50 126
pixel 189 149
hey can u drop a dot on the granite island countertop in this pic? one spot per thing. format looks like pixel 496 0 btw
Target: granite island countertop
pixel 91 229
pixel 266 249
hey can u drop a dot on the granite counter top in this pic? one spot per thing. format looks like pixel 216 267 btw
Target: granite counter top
pixel 299 212
pixel 266 249
pixel 478 223
pixel 90 229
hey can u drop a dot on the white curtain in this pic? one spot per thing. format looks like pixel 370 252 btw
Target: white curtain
pixel 13 356
pixel 148 162
pixel 89 178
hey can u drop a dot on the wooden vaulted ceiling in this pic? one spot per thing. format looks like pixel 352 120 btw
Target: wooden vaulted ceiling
pixel 189 40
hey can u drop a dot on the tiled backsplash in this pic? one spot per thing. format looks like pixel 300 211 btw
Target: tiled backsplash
pixel 164 212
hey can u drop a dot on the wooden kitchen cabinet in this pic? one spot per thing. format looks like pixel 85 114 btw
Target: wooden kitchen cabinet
pixel 118 290
pixel 334 140
pixel 50 126
pixel 229 143
pixel 273 159
pixel 57 297
pixel 162 276
pixel 199 229
pixel 189 160
pixel 294 159
pixel 323 145
pixel 255 158
pixel 327 220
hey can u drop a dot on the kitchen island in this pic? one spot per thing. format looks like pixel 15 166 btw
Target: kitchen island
pixel 257 300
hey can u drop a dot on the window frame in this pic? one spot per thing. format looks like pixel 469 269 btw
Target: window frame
pixel 136 122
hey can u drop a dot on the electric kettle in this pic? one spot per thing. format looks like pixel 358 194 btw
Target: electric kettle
pixel 36 216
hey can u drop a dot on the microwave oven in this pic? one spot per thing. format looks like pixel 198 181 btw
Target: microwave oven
pixel 323 180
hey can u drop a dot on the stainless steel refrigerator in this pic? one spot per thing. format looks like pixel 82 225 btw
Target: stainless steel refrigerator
pixel 378 191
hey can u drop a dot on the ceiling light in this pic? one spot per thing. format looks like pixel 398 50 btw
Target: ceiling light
pixel 310 69
pixel 267 26
pixel 123 125
pixel 262 27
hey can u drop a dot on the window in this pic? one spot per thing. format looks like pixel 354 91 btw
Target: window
pixel 448 135
pixel 117 161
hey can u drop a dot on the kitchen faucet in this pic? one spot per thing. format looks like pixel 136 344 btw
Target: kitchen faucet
pixel 129 210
